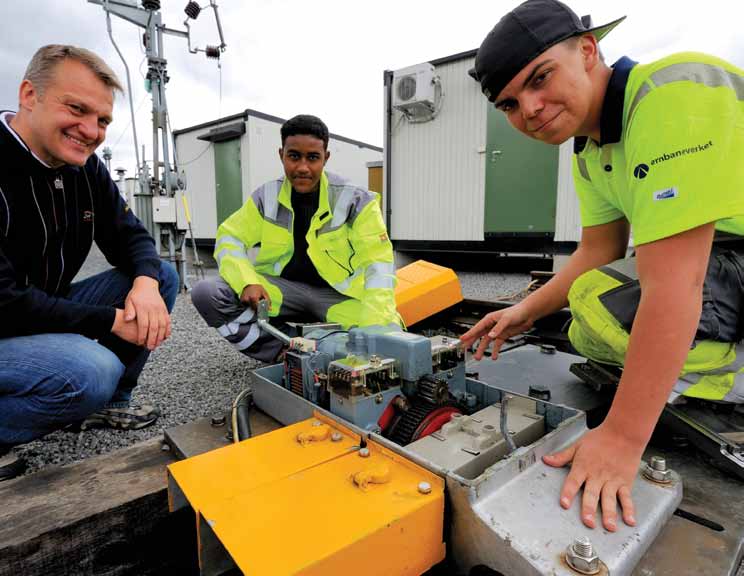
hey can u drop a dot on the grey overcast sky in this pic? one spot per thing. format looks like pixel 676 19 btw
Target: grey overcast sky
pixel 286 57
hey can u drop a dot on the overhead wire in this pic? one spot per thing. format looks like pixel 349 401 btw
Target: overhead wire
pixel 126 128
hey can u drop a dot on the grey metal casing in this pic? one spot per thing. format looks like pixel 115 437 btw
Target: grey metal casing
pixel 507 517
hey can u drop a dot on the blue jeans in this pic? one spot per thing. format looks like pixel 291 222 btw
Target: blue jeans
pixel 50 380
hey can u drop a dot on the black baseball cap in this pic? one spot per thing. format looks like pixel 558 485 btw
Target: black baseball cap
pixel 521 36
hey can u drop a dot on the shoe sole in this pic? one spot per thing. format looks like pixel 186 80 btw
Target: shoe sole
pixel 92 424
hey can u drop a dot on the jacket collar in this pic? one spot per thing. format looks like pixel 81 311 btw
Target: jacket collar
pixel 21 149
pixel 324 207
pixel 611 119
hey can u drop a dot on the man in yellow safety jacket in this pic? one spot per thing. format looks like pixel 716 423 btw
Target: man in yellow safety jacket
pixel 311 244
pixel 658 147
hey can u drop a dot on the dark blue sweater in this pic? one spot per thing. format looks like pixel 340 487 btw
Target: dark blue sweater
pixel 49 218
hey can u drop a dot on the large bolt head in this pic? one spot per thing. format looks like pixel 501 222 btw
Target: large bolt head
pixel 661 476
pixel 580 563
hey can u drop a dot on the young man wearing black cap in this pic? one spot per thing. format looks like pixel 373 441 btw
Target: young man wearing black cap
pixel 658 147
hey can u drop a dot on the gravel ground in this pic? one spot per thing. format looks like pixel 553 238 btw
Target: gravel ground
pixel 196 374
pixel 492 286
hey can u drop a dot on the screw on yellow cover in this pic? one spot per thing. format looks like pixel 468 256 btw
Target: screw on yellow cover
pixel 379 474
pixel 316 434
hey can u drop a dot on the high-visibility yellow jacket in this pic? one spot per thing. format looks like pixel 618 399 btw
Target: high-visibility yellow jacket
pixel 347 243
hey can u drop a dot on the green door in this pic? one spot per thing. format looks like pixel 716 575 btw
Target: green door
pixel 521 180
pixel 228 181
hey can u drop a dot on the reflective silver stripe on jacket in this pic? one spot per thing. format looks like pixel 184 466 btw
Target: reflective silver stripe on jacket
pixel 583 170
pixel 698 72
pixel 266 199
pixel 642 91
pixel 379 275
pixel 233 247
pixel 251 255
pixel 343 286
pixel 231 328
pixel 346 202
pixel 228 240
pixel 239 254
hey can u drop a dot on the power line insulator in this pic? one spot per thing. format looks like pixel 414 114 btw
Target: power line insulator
pixel 192 10
pixel 213 52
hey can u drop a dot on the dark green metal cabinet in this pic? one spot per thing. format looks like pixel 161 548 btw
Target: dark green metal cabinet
pixel 521 181
pixel 228 179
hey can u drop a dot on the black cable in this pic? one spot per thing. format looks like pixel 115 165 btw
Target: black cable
pixel 331 332
pixel 242 413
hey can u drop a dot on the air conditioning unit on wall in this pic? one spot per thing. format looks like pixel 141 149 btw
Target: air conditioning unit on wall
pixel 414 88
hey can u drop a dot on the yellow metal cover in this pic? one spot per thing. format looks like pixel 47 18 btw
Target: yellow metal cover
pixel 263 459
pixel 347 514
pixel 424 289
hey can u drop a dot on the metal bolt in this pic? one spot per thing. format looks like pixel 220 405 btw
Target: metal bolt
pixel 364 452
pixel 444 340
pixel 581 557
pixel 375 360
pixel 424 488
pixel 317 423
pixel 583 546
pixel 658 463
pixel 218 421
pixel 471 400
pixel 547 349
pixel 336 437
pixel 657 470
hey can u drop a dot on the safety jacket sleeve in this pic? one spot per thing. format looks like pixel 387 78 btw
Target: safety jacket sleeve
pixel 684 146
pixel 374 258
pixel 236 246
pixel 122 238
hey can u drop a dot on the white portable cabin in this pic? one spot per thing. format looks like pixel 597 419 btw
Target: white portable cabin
pixel 458 178
pixel 227 159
